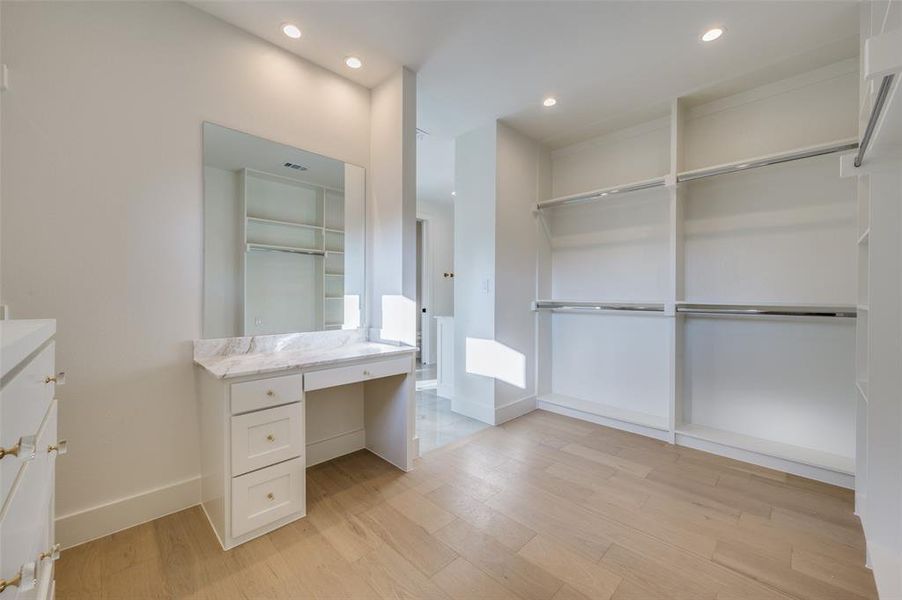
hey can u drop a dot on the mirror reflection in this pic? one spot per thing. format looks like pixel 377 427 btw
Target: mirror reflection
pixel 283 238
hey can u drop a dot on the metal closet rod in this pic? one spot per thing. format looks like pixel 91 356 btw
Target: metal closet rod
pixel 765 162
pixel 758 310
pixel 264 248
pixel 602 193
pixel 879 103
pixel 593 306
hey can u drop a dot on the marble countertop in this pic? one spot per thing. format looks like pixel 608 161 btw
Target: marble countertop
pixel 238 357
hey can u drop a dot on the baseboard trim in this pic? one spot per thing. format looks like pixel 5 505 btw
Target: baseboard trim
pixel 514 409
pixel 335 446
pixel 85 525
pixel 474 410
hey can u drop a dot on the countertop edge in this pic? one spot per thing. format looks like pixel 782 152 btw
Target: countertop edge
pixel 311 364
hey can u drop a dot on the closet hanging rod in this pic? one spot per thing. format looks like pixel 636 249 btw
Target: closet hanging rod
pixel 576 306
pixel 602 193
pixel 289 250
pixel 765 310
pixel 879 103
pixel 767 161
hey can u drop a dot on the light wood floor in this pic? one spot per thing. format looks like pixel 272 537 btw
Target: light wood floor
pixel 541 507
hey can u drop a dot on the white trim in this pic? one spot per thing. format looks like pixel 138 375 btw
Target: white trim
pixel 474 410
pixel 334 446
pixel 89 524
pixel 606 421
pixel 514 409
pixel 887 568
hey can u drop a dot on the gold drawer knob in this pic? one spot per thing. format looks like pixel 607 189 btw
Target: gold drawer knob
pixel 61 447
pixel 59 378
pixel 24 448
pixel 270 438
pixel 52 554
pixel 270 496
pixel 270 393
pixel 24 580
pixel 365 372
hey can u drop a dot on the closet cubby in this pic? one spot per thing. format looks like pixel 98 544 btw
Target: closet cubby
pixel 293 268
pixel 743 210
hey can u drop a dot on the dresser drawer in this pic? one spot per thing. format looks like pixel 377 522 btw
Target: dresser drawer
pixel 265 437
pixel 262 497
pixel 362 372
pixel 26 526
pixel 263 393
pixel 25 397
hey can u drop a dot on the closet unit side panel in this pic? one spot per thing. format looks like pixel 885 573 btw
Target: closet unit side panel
pixel 625 156
pixel 816 108
pixel 782 380
pixel 613 360
pixel 785 233
pixel 615 250
pixel 516 252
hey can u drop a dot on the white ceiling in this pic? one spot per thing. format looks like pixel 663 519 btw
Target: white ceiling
pixel 609 63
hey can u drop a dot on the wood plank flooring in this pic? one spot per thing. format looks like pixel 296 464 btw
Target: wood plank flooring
pixel 543 507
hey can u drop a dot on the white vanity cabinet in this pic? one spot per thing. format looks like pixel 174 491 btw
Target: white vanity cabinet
pixel 28 438
pixel 260 430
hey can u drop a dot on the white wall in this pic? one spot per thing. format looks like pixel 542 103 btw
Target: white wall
pixel 474 261
pixel 499 176
pixel 102 216
pixel 391 205
pixel 440 256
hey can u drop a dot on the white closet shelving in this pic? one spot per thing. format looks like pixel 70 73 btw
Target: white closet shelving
pixel 293 236
pixel 730 215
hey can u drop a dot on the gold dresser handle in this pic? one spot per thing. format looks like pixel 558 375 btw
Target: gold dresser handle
pixel 59 378
pixel 61 447
pixel 24 448
pixel 270 496
pixel 270 393
pixel 270 438
pixel 24 580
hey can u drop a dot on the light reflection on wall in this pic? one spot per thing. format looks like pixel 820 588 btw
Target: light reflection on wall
pixel 352 312
pixel 493 359
pixel 399 322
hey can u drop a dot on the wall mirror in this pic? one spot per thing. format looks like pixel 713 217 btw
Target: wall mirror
pixel 283 238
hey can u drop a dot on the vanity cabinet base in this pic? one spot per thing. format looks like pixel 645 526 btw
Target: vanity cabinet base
pixel 254 436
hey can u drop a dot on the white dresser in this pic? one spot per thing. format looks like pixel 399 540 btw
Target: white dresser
pixel 270 406
pixel 28 450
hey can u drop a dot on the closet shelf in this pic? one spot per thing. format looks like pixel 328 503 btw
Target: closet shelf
pixel 582 306
pixel 289 249
pixel 334 274
pixel 607 411
pixel 798 454
pixel 279 222
pixel 863 238
pixel 769 159
pixel 598 194
pixel 335 297
pixel 757 310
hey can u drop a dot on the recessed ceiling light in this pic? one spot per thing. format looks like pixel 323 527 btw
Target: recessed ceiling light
pixel 453 193
pixel 353 62
pixel 712 34
pixel 291 31
pixel 549 102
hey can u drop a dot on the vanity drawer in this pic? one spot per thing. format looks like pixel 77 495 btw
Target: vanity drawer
pixel 267 495
pixel 362 372
pixel 263 393
pixel 265 437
